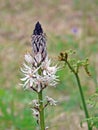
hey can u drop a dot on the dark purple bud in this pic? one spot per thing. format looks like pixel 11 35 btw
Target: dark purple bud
pixel 39 43
pixel 38 29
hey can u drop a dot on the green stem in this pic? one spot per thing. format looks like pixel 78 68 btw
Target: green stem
pixel 41 110
pixel 83 100
pixel 81 93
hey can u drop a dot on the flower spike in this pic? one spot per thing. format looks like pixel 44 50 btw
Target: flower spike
pixel 39 74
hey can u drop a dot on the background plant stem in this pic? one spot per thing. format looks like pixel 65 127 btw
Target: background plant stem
pixel 83 100
pixel 81 93
pixel 41 112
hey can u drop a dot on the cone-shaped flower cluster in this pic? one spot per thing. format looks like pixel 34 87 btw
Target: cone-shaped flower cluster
pixel 37 69
pixel 39 44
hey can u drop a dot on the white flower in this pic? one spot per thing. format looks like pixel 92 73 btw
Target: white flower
pixel 51 101
pixel 28 58
pixel 49 73
pixel 49 69
pixel 35 113
pixel 28 80
pixel 32 77
pixel 50 80
pixel 35 103
pixel 29 76
pixel 38 57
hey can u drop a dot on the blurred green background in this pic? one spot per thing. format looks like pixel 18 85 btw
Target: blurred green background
pixel 69 24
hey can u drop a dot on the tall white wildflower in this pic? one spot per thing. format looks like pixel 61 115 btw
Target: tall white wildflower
pixel 37 70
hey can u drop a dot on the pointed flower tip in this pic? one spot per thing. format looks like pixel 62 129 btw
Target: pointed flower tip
pixel 38 29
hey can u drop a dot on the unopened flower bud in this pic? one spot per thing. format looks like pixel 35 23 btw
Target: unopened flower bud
pixel 39 44
pixel 51 101
pixel 35 113
pixel 28 58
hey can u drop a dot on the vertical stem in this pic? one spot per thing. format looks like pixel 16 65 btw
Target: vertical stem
pixel 81 93
pixel 83 100
pixel 41 112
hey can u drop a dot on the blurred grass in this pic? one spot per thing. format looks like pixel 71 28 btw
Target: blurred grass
pixel 58 18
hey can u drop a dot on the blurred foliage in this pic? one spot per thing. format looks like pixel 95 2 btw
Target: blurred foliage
pixel 93 105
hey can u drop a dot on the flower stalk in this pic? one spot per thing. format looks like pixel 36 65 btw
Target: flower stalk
pixel 41 110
